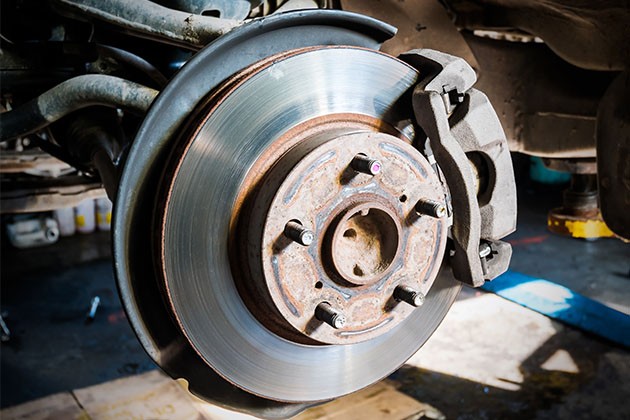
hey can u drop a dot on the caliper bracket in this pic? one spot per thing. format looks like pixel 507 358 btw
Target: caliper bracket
pixel 470 147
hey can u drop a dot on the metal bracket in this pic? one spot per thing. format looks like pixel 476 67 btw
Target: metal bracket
pixel 463 128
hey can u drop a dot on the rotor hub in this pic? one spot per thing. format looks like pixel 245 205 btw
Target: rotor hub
pixel 354 197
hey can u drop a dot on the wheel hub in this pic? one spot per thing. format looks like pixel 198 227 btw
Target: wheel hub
pixel 365 237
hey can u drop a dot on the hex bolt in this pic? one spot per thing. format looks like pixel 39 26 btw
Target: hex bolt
pixel 326 313
pixel 430 208
pixel 408 295
pixel 366 165
pixel 298 233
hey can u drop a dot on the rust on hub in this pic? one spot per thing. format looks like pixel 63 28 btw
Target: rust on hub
pixel 365 241
pixel 367 237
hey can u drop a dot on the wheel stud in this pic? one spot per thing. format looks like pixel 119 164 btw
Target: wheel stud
pixel 408 295
pixel 430 208
pixel 326 313
pixel 298 233
pixel 364 164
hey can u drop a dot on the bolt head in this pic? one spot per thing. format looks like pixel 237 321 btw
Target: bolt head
pixel 307 237
pixel 418 300
pixel 375 167
pixel 440 211
pixel 339 321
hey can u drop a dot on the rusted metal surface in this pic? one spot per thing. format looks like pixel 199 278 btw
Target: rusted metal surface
pixel 578 226
pixel 150 20
pixel 368 238
pixel 579 216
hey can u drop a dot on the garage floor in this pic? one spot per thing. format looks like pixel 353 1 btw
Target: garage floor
pixel 490 358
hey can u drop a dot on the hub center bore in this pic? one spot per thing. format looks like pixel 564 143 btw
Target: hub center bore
pixel 365 242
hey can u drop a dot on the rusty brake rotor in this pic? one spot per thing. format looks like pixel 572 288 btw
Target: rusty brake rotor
pixel 302 234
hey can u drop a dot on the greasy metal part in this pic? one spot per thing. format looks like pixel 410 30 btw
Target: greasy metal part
pixel 588 34
pixel 420 23
pixel 71 95
pixel 613 156
pixel 134 267
pixel 546 106
pixel 368 238
pixel 581 196
pixel 147 19
pixel 473 128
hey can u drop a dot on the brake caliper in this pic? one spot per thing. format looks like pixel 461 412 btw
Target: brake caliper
pixel 470 147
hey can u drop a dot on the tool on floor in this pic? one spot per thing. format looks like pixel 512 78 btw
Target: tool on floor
pixel 93 307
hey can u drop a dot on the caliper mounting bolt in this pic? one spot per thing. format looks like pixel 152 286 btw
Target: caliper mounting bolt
pixel 298 233
pixel 326 313
pixel 408 295
pixel 430 208
pixel 366 165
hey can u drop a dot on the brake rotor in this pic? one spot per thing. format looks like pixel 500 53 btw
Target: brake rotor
pixel 277 152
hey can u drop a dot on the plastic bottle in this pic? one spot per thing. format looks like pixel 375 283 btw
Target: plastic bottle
pixel 103 214
pixel 84 216
pixel 65 221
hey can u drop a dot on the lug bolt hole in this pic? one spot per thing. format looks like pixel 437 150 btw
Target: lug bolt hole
pixel 319 285
pixel 357 271
pixel 402 198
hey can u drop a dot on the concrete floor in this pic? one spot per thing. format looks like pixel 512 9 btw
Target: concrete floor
pixel 490 358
